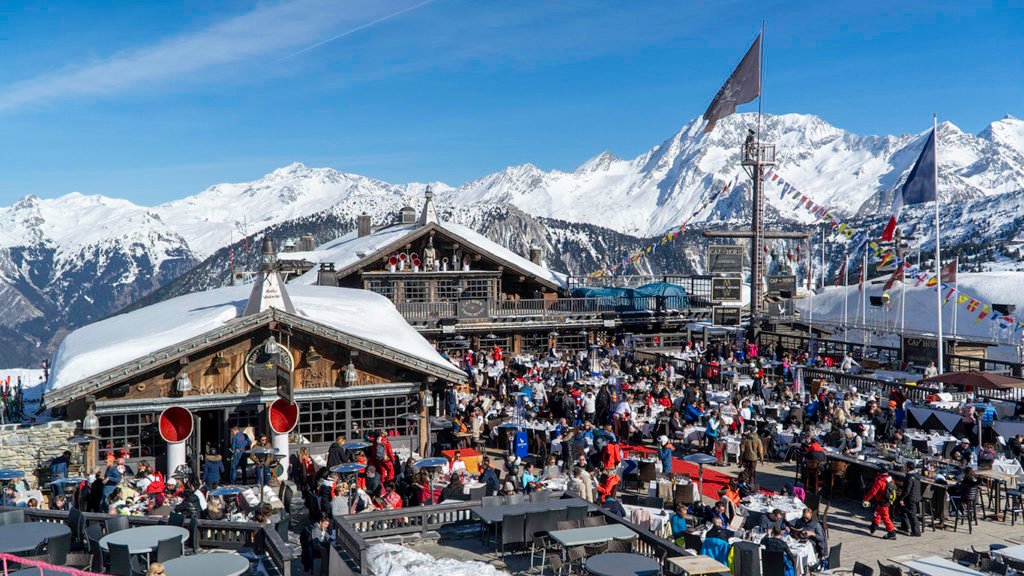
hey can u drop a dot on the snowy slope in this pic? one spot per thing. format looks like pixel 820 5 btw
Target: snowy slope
pixel 395 560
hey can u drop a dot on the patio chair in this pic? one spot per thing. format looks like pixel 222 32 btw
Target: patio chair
pixel 540 496
pixel 863 569
pixel 889 569
pixel 567 524
pixel 120 560
pixel 513 530
pixel 116 524
pixel 834 556
pixel 513 499
pixel 93 533
pixel 576 512
pixel 966 558
pixel 169 549
pixel 965 508
pixel 773 563
pixel 590 521
pixel 625 546
pixel 490 501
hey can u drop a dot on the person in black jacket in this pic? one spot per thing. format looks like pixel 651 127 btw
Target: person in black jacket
pixel 909 501
pixel 773 542
pixel 489 477
pixel 336 454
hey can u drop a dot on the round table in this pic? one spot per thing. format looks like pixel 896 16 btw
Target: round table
pixel 622 564
pixel 213 564
pixel 143 539
pixel 33 571
pixel 26 536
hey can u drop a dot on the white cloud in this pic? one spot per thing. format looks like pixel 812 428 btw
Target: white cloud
pixel 262 31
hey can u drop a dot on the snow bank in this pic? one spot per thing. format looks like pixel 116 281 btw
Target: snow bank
pixel 100 346
pixel 988 287
pixel 395 560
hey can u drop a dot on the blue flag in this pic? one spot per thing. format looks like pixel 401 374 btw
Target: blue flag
pixel 920 186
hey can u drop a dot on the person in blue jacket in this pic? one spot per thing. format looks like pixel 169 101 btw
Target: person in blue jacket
pixel 239 444
pixel 693 414
pixel 665 450
pixel 677 522
pixel 489 477
pixel 213 469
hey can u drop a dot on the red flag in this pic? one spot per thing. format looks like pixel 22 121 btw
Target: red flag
pixel 841 276
pixel 896 276
pixel 948 273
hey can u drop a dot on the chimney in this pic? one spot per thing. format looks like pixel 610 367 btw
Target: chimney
pixel 237 276
pixel 307 243
pixel 536 255
pixel 326 276
pixel 363 224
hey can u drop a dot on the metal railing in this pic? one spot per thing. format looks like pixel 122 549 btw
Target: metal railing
pixel 554 309
pixel 214 534
pixel 914 392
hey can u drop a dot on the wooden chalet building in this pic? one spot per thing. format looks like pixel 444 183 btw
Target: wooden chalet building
pixel 461 290
pixel 347 357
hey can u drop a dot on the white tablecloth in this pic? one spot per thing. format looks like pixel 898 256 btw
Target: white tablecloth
pixel 1011 467
pixel 659 525
pixel 791 506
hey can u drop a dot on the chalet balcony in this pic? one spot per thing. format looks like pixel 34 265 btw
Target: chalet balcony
pixel 544 309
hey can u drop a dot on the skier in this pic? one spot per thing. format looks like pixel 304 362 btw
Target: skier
pixel 883 494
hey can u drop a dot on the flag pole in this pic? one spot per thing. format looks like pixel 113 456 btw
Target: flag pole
pixel 938 249
pixel 956 285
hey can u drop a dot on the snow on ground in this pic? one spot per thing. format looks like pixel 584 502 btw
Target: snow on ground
pixel 103 345
pixel 987 287
pixel 395 560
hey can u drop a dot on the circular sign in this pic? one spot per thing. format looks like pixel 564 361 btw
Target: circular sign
pixel 175 424
pixel 284 415
pixel 261 368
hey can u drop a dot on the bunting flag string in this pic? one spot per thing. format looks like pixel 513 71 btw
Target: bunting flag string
pixel 910 272
pixel 665 237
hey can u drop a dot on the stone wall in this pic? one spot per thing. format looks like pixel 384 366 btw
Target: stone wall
pixel 30 447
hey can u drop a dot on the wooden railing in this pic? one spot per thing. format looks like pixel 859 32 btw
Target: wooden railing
pixel 352 531
pixel 216 534
pixel 917 393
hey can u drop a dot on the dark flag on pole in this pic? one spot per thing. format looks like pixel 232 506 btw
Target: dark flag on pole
pixel 742 86
pixel 919 188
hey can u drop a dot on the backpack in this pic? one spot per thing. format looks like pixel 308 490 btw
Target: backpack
pixel 380 453
pixel 890 493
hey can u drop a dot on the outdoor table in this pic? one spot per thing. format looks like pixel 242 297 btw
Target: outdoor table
pixel 758 505
pixel 622 564
pixel 700 459
pixel 995 481
pixel 698 565
pixel 658 525
pixel 214 564
pixel 591 535
pixel 26 536
pixel 1011 553
pixel 143 539
pixel 936 566
pixel 497 513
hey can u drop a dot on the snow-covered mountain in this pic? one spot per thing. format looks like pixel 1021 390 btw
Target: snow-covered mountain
pixel 73 259
pixel 658 189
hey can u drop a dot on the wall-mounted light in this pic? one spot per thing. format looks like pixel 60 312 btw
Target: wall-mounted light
pixel 220 362
pixel 311 356
pixel 270 346
pixel 90 422
pixel 351 376
pixel 184 383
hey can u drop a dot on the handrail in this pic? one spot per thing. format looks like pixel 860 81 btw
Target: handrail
pixel 352 542
pixel 211 533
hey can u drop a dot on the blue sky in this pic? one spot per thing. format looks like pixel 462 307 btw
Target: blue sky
pixel 154 100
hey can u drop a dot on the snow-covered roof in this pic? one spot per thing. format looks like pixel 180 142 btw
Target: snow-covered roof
pixel 101 346
pixel 349 249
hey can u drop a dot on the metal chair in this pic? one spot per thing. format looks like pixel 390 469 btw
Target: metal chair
pixel 965 506
pixel 120 559
pixel 535 532
pixel 490 501
pixel 116 524
pixel 624 546
pixel 513 530
pixel 648 472
pixel 692 542
pixel 176 519
pixel 966 558
pixel 577 555
pixel 513 499
pixel 553 559
pixel 93 534
pixel 540 496
pixel 169 549
pixel 595 549
pixel 283 525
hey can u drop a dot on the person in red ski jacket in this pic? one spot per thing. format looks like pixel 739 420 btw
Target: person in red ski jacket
pixel 883 495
